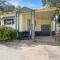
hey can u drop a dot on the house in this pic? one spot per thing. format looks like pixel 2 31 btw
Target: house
pixel 28 22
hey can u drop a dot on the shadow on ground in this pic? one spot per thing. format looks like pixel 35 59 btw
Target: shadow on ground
pixel 31 43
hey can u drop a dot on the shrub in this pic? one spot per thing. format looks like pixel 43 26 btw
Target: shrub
pixel 58 38
pixel 13 34
pixel 7 33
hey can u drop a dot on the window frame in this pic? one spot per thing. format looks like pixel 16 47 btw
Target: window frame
pixel 43 27
pixel 8 21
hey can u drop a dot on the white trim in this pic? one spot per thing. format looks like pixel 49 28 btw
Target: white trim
pixel 20 23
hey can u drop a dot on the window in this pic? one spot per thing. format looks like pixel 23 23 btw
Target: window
pixel 9 21
pixel 45 27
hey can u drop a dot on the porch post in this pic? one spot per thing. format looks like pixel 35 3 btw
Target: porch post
pixel 53 26
pixel 2 22
pixel 20 23
pixel 17 23
pixel 56 12
pixel 33 24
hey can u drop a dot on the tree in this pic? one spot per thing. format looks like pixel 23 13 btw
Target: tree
pixel 9 8
pixel 6 7
pixel 2 4
pixel 58 18
pixel 51 3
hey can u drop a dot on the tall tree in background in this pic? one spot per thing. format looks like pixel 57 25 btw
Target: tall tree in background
pixel 51 3
pixel 5 6
pixel 58 18
pixel 2 5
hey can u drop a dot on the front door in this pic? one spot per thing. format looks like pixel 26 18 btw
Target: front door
pixel 45 29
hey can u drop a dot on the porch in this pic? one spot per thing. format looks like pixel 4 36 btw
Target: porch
pixel 36 23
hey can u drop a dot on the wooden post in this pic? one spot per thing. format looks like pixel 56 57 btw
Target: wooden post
pixel 55 27
pixel 1 21
pixel 33 25
pixel 17 23
pixel 57 11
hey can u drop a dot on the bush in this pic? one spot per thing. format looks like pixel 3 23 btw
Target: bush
pixel 7 33
pixel 58 34
pixel 58 38
pixel 13 34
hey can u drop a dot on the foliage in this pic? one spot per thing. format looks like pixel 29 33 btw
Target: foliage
pixel 6 7
pixel 2 4
pixel 58 27
pixel 7 33
pixel 9 8
pixel 58 18
pixel 51 3
pixel 13 34
pixel 58 38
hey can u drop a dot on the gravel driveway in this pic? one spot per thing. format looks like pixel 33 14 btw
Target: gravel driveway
pixel 29 50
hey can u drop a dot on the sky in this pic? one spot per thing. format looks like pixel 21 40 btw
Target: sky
pixel 27 3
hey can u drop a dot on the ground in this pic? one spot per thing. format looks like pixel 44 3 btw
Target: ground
pixel 30 50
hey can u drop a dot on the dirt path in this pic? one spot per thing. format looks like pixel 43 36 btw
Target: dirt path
pixel 28 50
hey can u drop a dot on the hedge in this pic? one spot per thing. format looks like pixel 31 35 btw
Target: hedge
pixel 7 33
pixel 58 38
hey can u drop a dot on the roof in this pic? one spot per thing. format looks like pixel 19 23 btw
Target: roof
pixel 25 9
pixel 7 17
pixel 47 13
pixel 46 9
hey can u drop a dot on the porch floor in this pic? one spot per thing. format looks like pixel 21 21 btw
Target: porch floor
pixel 48 39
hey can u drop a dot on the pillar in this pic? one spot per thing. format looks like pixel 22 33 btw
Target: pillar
pixel 17 20
pixel 20 23
pixel 33 24
pixel 2 22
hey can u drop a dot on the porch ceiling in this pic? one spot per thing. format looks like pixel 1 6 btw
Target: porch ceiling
pixel 44 15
